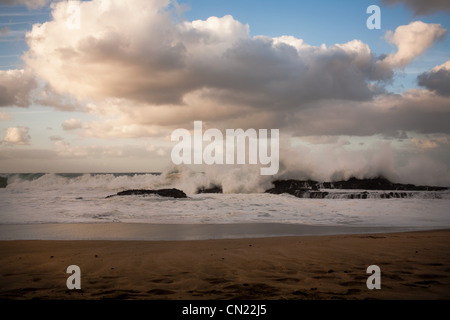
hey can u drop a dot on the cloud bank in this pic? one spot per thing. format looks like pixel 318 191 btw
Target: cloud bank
pixel 158 72
pixel 437 79
pixel 421 7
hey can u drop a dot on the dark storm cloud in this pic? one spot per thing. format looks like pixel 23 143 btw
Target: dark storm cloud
pixel 438 81
pixel 423 7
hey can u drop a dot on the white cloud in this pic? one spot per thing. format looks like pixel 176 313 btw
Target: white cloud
pixel 154 74
pixel 17 135
pixel 5 116
pixel 412 40
pixel 16 87
pixel 444 66
pixel 155 66
pixel 72 124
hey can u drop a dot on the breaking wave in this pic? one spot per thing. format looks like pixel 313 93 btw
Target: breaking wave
pixel 181 177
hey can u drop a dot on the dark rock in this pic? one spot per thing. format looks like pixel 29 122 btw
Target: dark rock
pixel 317 194
pixel 299 187
pixel 366 184
pixel 174 193
pixel 327 185
pixel 3 182
pixel 213 189
pixel 315 187
pixel 382 183
pixel 294 187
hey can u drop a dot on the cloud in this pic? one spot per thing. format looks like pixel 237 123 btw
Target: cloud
pixel 157 73
pixel 430 143
pixel 413 111
pixel 56 138
pixel 412 41
pixel 17 135
pixel 67 150
pixel 31 4
pixel 421 7
pixel 156 65
pixel 16 87
pixel 120 128
pixel 61 102
pixel 5 116
pixel 72 124
pixel 13 154
pixel 438 79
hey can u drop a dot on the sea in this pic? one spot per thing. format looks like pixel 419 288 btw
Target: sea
pixel 39 199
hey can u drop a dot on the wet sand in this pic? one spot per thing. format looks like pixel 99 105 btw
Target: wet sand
pixel 148 231
pixel 414 265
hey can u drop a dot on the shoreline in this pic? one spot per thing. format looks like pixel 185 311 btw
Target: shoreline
pixel 182 232
pixel 414 265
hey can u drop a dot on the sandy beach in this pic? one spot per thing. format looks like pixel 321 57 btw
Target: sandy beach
pixel 414 265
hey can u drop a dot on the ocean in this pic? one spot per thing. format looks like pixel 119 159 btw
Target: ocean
pixel 80 199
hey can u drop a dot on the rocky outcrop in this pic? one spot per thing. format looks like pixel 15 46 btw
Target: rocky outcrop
pixel 174 193
pixel 311 194
pixel 3 182
pixel 300 189
pixel 285 186
pixel 291 186
pixel 213 189
pixel 311 188
pixel 380 183
pixel 384 195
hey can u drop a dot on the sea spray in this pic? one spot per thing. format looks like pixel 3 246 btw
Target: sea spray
pixel 233 179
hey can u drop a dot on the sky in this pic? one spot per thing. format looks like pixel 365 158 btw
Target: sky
pixel 99 86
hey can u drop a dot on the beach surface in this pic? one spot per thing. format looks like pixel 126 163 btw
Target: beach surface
pixel 414 265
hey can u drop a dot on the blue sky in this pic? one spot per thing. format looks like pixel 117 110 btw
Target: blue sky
pixel 117 122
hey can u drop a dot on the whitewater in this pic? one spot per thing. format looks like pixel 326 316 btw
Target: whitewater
pixel 81 198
